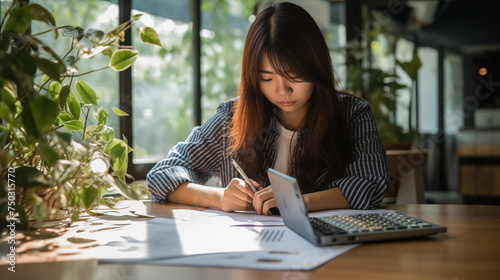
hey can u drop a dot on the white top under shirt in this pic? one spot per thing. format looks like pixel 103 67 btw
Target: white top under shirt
pixel 285 144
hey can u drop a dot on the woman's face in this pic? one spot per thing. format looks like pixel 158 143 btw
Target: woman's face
pixel 291 98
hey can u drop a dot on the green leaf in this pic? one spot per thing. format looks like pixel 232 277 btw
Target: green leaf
pixel 29 122
pixel 119 112
pixel 45 112
pixel 8 97
pixel 40 13
pixel 394 86
pixel 125 190
pixel 117 151
pixel 119 32
pixel 107 51
pixel 108 133
pixel 129 149
pixel 110 202
pixel 19 20
pixel 63 96
pixel 5 113
pixel 123 59
pixel 149 35
pixel 94 128
pixel 89 195
pixel 102 116
pixel 52 69
pixel 18 67
pixel 411 67
pixel 70 60
pixel 94 35
pixel 70 31
pixel 49 155
pixel 45 78
pixel 74 107
pixel 86 92
pixel 136 17
pixel 54 90
pixel 141 190
pixel 29 177
pixel 38 208
pixel 74 125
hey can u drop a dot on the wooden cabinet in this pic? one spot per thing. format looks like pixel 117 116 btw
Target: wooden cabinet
pixel 480 170
pixel 480 180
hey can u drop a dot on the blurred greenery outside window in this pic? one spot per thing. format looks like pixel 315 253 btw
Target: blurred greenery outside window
pixel 162 87
pixel 162 82
pixel 385 50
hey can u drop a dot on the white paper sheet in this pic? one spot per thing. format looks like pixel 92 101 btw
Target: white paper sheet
pixel 185 243
pixel 305 259
pixel 204 238
pixel 250 218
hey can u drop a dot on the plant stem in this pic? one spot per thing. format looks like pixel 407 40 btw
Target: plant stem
pixel 6 13
pixel 43 85
pixel 49 30
pixel 82 74
pixel 85 123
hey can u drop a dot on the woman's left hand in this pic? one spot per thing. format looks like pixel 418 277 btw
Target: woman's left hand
pixel 263 200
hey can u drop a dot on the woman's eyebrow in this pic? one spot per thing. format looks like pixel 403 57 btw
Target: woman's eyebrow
pixel 266 71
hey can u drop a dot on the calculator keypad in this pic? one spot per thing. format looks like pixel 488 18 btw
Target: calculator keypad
pixel 366 223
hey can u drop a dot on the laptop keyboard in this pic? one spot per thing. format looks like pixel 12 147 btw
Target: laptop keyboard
pixel 333 225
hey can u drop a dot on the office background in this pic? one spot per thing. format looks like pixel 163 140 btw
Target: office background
pixel 171 89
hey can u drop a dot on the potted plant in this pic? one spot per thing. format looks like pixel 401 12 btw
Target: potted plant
pixel 58 157
pixel 381 87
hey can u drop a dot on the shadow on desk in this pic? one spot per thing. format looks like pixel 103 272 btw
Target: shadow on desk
pixel 468 250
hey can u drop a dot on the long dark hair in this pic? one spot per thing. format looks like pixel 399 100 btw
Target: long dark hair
pixel 295 46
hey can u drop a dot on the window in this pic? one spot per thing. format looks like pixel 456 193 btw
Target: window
pixel 163 94
pixel 428 90
pixel 162 87
pixel 224 29
pixel 159 90
pixel 453 93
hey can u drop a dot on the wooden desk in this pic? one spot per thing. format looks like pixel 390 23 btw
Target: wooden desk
pixel 469 250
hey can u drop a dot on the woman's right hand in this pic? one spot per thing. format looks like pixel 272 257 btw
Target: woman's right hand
pixel 236 196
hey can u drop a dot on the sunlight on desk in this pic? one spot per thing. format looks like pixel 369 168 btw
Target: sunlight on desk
pixel 457 254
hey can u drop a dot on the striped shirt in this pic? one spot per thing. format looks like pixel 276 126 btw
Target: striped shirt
pixel 205 154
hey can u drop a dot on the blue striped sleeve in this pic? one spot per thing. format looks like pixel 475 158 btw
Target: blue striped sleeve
pixel 194 160
pixel 366 176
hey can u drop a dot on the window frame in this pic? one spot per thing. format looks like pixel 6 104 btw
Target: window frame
pixel 140 170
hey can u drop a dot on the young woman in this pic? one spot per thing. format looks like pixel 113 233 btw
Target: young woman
pixel 288 116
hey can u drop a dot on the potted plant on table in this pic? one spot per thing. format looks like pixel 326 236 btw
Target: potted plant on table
pixel 58 156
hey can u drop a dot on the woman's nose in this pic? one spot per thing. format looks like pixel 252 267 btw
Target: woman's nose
pixel 283 86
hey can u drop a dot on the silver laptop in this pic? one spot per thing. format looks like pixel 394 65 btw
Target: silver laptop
pixel 339 229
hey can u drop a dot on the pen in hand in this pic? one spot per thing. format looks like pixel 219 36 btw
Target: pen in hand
pixel 272 211
pixel 244 175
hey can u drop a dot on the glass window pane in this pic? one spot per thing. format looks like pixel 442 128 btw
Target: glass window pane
pixel 95 14
pixel 223 32
pixel 428 91
pixel 453 92
pixel 404 53
pixel 162 88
